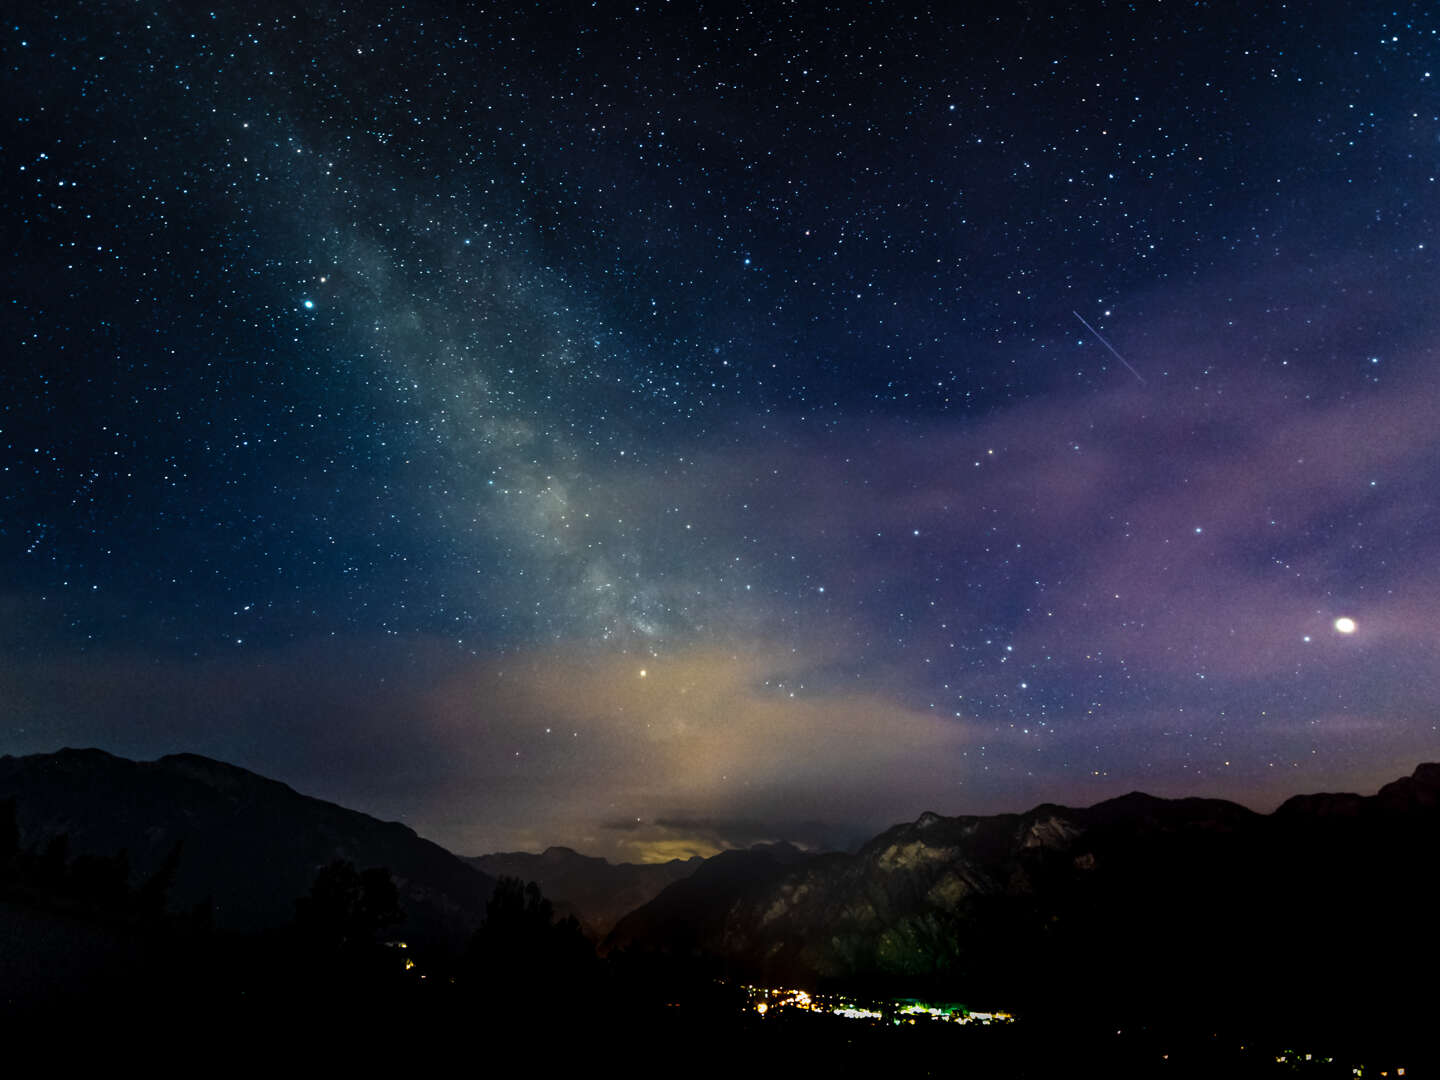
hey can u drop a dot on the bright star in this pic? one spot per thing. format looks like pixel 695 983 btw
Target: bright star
pixel 1345 625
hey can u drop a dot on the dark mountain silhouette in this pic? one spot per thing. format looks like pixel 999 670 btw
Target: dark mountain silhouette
pixel 248 847
pixel 685 917
pixel 1318 917
pixel 1316 913
pixel 596 892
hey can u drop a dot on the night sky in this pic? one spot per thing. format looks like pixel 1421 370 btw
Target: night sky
pixel 657 428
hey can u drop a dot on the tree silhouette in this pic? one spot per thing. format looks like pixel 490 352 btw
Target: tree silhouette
pixel 47 869
pixel 151 896
pixel 9 842
pixel 521 951
pixel 346 909
pixel 101 882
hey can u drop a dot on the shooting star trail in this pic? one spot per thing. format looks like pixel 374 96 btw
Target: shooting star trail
pixel 1113 351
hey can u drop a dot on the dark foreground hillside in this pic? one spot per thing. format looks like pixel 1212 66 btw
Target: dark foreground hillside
pixel 1137 937
pixel 1314 920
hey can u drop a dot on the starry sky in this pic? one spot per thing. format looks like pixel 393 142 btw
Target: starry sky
pixel 659 428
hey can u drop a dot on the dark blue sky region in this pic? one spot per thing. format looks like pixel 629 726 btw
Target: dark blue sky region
pixel 658 428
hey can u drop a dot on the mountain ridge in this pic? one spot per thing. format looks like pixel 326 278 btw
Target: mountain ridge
pixel 250 845
pixel 597 892
pixel 1137 900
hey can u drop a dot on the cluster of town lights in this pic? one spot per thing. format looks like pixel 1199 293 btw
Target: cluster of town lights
pixel 764 1000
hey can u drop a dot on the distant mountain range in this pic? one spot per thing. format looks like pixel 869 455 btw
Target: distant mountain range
pixel 690 916
pixel 1322 911
pixel 597 892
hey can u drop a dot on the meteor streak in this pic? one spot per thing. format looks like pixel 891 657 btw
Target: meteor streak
pixel 1113 351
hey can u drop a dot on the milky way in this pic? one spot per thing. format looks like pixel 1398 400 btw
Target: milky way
pixel 667 428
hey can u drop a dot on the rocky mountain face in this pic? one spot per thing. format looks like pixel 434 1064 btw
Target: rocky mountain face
pixel 248 847
pixel 595 891
pixel 1137 903
pixel 1321 913
pixel 689 916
